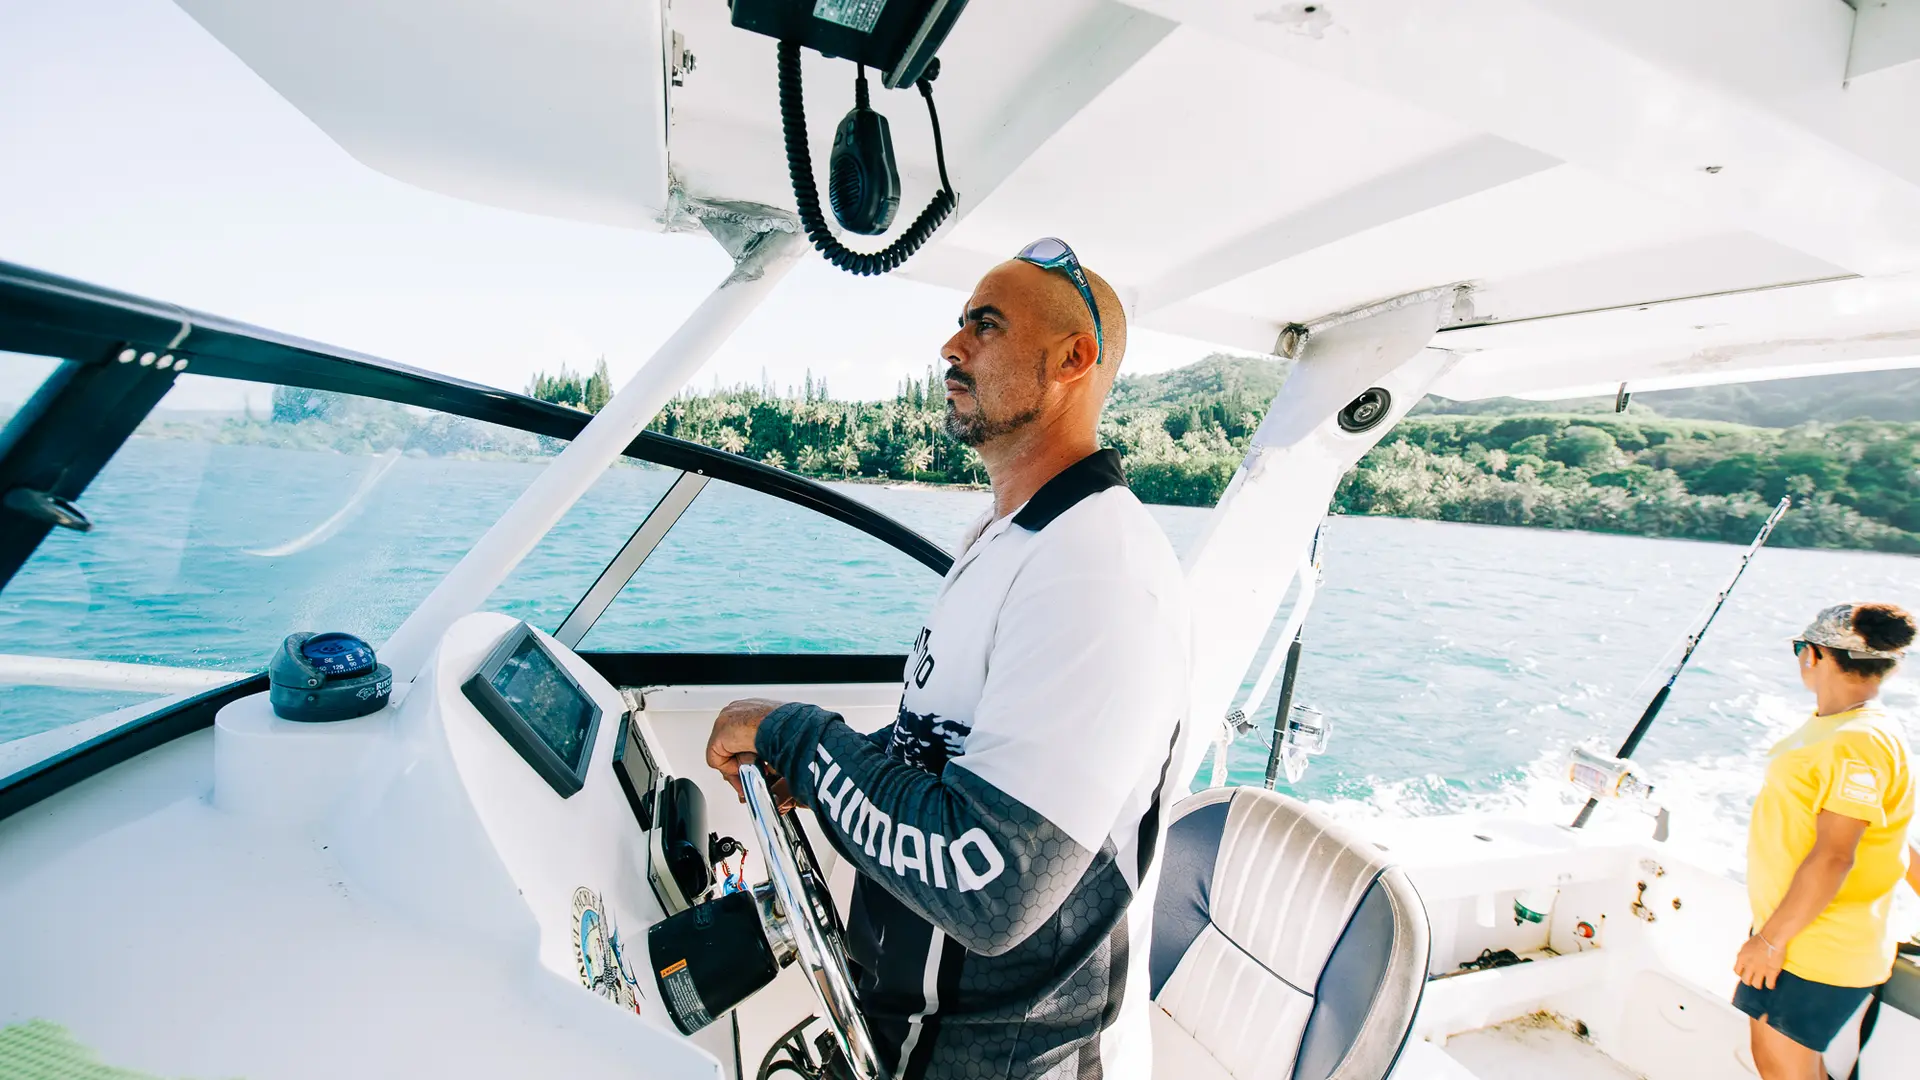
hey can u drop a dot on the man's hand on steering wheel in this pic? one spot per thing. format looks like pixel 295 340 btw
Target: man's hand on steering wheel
pixel 731 745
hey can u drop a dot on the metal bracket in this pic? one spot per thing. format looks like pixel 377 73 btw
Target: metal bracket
pixel 680 60
pixel 1639 906
pixel 1293 337
pixel 626 562
pixel 47 507
pixel 62 437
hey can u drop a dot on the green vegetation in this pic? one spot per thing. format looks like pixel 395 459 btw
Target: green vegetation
pixel 1777 403
pixel 901 439
pixel 1182 433
pixel 590 392
pixel 1855 483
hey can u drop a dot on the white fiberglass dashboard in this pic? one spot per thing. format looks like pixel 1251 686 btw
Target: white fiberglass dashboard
pixel 471 828
pixel 400 894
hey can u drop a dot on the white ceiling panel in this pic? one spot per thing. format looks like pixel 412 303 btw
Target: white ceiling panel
pixel 1231 166
pixel 1541 223
pixel 1197 144
pixel 552 108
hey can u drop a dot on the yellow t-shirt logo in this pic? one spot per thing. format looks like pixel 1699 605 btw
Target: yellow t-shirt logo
pixel 1859 783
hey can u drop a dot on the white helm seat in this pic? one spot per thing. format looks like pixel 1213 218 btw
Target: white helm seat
pixel 1284 945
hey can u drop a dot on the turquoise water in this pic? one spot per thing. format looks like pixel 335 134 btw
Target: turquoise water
pixel 1457 662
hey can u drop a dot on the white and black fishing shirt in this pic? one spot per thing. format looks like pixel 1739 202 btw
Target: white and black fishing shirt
pixel 1002 827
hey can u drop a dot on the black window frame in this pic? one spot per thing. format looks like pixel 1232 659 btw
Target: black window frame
pixel 79 418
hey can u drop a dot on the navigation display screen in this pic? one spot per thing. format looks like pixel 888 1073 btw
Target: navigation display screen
pixel 538 707
pixel 554 706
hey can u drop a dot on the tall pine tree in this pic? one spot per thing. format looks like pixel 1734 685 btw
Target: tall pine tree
pixel 598 389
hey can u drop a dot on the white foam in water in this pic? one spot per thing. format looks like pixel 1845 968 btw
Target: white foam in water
pixel 1710 798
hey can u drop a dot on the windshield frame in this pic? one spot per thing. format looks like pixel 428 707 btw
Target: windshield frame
pixel 111 378
pixel 90 327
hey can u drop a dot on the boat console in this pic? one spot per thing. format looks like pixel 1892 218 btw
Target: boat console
pixel 486 801
pixel 517 800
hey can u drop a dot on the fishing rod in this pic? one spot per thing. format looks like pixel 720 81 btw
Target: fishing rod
pixel 1289 657
pixel 1297 621
pixel 1639 731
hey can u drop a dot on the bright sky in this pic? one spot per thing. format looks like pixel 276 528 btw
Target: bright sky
pixel 139 154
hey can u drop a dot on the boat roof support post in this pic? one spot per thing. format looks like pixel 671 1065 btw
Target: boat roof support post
pixel 762 257
pixel 1355 375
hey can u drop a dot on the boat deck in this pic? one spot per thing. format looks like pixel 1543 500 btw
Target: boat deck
pixel 1531 1047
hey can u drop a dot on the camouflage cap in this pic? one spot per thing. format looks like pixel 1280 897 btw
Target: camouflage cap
pixel 1833 629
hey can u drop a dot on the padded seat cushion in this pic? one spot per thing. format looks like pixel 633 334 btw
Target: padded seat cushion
pixel 1250 1021
pixel 1283 943
pixel 1176 1054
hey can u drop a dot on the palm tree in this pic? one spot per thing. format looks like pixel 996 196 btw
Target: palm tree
pixel 730 440
pixel 775 458
pixel 918 459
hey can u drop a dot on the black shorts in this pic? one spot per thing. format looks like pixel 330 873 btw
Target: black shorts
pixel 1810 1013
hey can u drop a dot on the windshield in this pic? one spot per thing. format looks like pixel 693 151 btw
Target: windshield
pixel 20 375
pixel 237 514
pixel 743 572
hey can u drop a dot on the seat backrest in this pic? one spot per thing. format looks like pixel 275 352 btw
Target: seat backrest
pixel 1283 943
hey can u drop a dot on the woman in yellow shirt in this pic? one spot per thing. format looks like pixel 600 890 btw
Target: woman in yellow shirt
pixel 1827 846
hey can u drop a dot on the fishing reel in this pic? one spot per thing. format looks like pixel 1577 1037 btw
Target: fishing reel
pixel 1603 778
pixel 1303 735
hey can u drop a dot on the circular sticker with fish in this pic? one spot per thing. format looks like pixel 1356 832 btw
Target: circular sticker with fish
pixel 597 948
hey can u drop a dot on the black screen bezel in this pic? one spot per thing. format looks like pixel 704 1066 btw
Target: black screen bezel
pixel 566 778
pixel 632 762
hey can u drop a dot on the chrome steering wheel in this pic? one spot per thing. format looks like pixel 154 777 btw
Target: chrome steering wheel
pixel 807 918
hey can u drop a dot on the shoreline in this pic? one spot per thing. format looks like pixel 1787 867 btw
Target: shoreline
pixel 188 431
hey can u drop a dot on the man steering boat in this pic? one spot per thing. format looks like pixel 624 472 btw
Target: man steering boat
pixel 1003 828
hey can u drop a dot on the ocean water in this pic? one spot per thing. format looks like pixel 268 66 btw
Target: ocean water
pixel 1457 663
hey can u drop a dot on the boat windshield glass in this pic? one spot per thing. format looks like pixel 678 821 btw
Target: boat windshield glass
pixel 566 561
pixel 20 375
pixel 743 572
pixel 240 513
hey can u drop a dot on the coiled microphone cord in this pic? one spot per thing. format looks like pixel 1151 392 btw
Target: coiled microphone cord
pixel 806 197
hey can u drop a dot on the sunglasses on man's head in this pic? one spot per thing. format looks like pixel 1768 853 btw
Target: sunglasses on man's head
pixel 1052 253
pixel 1800 646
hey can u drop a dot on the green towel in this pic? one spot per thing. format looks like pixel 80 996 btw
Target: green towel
pixel 41 1050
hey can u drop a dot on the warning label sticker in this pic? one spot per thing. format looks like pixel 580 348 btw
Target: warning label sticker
pixel 683 998
pixel 853 14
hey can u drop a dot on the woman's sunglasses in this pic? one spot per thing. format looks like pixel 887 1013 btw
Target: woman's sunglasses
pixel 1052 253
pixel 1801 646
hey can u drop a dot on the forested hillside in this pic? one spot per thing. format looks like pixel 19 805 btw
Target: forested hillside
pixel 1182 433
pixel 1855 482
pixel 1865 395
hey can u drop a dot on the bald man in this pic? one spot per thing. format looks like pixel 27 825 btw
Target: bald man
pixel 1005 823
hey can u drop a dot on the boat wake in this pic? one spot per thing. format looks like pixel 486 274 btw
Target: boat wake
pixel 1709 796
